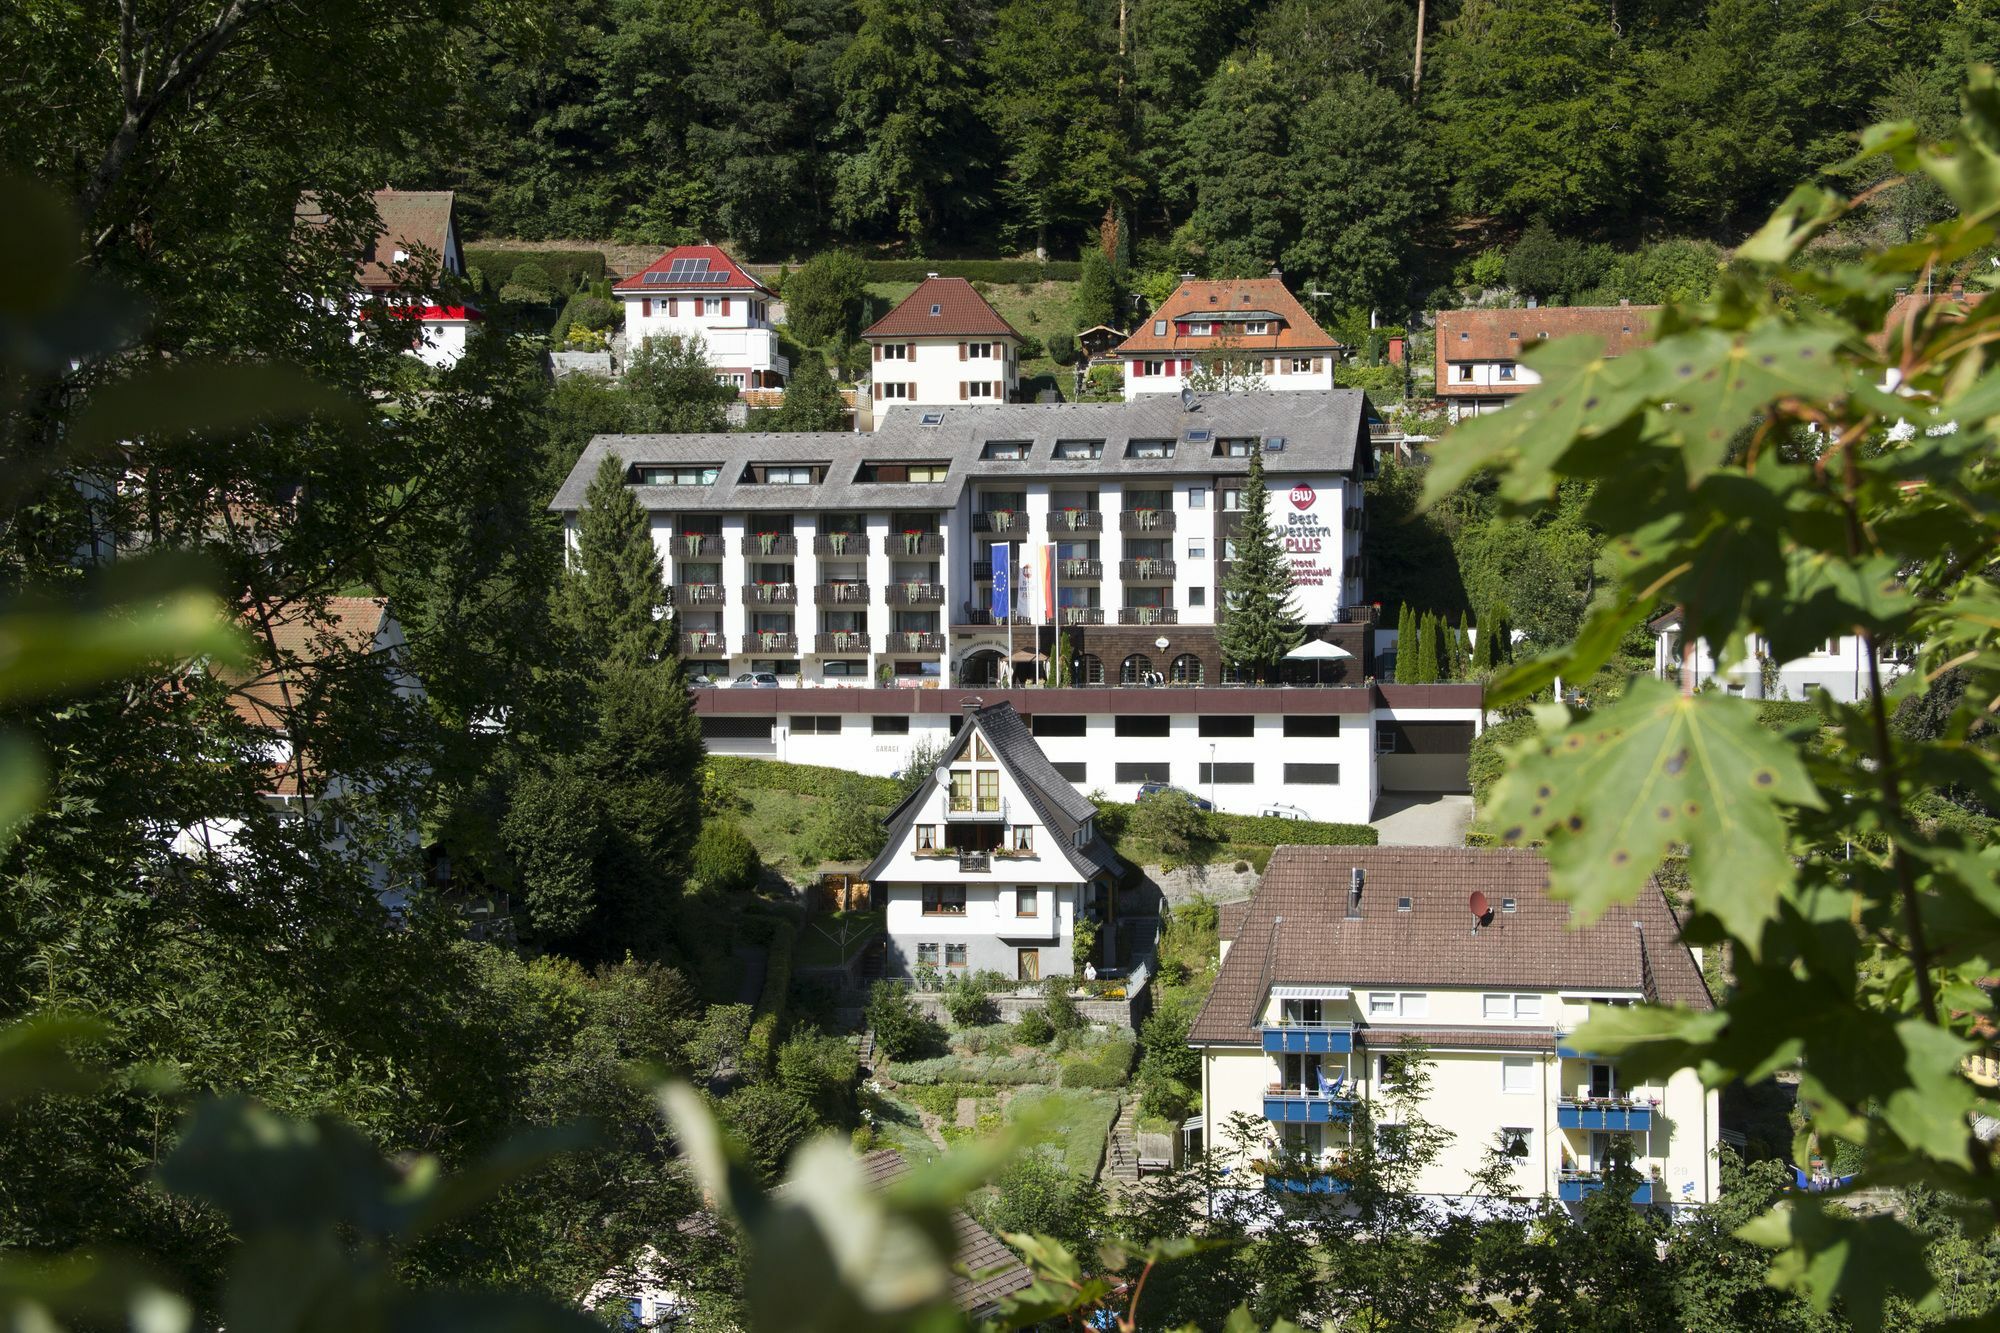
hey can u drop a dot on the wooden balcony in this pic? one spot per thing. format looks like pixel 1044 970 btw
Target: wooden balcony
pixel 770 641
pixel 1148 570
pixel 842 543
pixel 841 642
pixel 770 544
pixel 697 546
pixel 1001 520
pixel 700 594
pixel 914 641
pixel 841 594
pixel 1081 615
pixel 914 543
pixel 697 643
pixel 1149 615
pixel 770 594
pixel 921 596
pixel 1076 520
pixel 1139 522
pixel 1078 570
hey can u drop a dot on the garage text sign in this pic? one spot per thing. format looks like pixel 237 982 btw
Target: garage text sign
pixel 1312 546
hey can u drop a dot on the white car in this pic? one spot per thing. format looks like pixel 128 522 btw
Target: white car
pixel 1282 812
pixel 755 680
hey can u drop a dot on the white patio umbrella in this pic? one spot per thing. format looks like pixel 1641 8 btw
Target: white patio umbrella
pixel 1317 651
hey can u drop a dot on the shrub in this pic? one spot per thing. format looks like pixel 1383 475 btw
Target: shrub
pixel 900 1030
pixel 1036 1194
pixel 847 827
pixel 771 1004
pixel 1304 832
pixel 531 277
pixel 825 298
pixel 821 1069
pixel 737 773
pixel 1083 946
pixel 1171 823
pixel 555 270
pixel 1487 758
pixel 724 858
pixel 1034 1028
pixel 1011 1070
pixel 862 1140
pixel 968 1004
pixel 1389 381
pixel 992 1037
pixel 1103 1066
pixel 973 270
pixel 769 1122
pixel 1061 1010
pixel 1061 347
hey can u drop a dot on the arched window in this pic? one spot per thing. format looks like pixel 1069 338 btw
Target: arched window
pixel 1135 669
pixel 1090 670
pixel 1186 670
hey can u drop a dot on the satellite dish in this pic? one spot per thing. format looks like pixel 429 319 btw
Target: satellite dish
pixel 1477 902
pixel 943 776
pixel 1187 399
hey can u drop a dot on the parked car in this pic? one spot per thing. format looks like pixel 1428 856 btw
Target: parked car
pixel 755 680
pixel 701 681
pixel 1282 812
pixel 1156 788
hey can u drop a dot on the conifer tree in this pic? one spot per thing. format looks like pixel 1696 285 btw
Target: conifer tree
pixel 613 590
pixel 1260 621
pixel 1482 640
pixel 1461 650
pixel 1427 657
pixel 1406 644
pixel 812 400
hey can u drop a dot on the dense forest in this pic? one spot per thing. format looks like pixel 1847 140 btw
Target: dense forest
pixel 1228 135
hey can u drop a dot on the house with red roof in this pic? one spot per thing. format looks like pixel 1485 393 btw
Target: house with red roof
pixel 1248 333
pixel 417 246
pixel 942 345
pixel 698 291
pixel 1479 351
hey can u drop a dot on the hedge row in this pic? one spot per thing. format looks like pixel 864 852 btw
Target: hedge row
pixel 763 1040
pixel 1375 379
pixel 744 774
pixel 1007 1069
pixel 568 269
pixel 1104 1066
pixel 973 270
pixel 1303 832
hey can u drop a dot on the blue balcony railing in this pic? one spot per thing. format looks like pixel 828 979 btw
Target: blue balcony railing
pixel 1630 1117
pixel 1567 1048
pixel 1574 1187
pixel 1297 1107
pixel 1318 1182
pixel 1309 1038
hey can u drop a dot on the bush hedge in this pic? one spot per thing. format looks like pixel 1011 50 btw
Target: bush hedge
pixel 1375 379
pixel 738 773
pixel 567 269
pixel 1034 1028
pixel 973 270
pixel 1114 818
pixel 724 857
pixel 770 1012
pixel 996 1069
pixel 1104 1066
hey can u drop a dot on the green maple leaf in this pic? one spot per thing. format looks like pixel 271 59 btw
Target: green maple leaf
pixel 1616 789
pixel 1717 383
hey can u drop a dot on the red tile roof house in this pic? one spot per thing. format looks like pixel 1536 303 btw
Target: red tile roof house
pixel 1254 323
pixel 698 291
pixel 418 243
pixel 941 345
pixel 1479 351
pixel 1345 954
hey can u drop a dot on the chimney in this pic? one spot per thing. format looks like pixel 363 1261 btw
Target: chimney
pixel 1624 300
pixel 1187 277
pixel 1277 273
pixel 1532 303
pixel 930 275
pixel 1356 878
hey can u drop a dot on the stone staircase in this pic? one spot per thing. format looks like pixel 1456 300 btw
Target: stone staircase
pixel 865 1048
pixel 874 962
pixel 1121 1149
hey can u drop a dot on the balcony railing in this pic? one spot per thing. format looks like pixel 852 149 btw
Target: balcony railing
pixel 697 545
pixel 1142 521
pixel 1575 1186
pixel 770 543
pixel 770 641
pixel 980 612
pixel 975 863
pixel 1315 1182
pixel 915 641
pixel 1146 570
pixel 1595 1113
pixel 1296 1106
pixel 841 641
pixel 699 594
pixel 1149 615
pixel 914 543
pixel 841 594
pixel 1309 1038
pixel 703 641
pixel 913 594
pixel 1001 520
pixel 1079 570
pixel 1358 615
pixel 841 543
pixel 1076 520
pixel 991 811
pixel 771 594
pixel 1082 615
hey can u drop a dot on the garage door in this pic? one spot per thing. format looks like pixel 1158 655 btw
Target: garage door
pixel 1423 756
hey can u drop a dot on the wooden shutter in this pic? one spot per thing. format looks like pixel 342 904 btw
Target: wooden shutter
pixel 909 351
pixel 877 347
pixel 673 306
pixel 961 352
pixel 646 306
pixel 878 390
pixel 964 391
pixel 1270 366
pixel 725 305
pixel 999 391
pixel 1316 361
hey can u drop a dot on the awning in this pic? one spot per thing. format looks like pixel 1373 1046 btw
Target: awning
pixel 1311 992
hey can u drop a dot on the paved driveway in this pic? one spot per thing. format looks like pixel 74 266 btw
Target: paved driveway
pixel 1422 819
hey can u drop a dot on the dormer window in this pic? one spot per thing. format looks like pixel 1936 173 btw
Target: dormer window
pixel 936 310
pixel 400 257
pixel 1257 328
pixel 1201 330
pixel 1150 449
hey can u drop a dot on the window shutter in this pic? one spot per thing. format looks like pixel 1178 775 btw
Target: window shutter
pixel 1316 361
pixel 673 306
pixel 646 306
pixel 909 351
pixel 878 391
pixel 961 352
pixel 964 390
pixel 999 389
pixel 878 351
pixel 1270 366
pixel 725 305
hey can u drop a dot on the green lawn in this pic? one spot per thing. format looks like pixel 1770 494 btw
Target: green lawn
pixel 1073 1120
pixel 833 940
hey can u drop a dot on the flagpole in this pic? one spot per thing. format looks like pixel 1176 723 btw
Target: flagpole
pixel 1013 600
pixel 1055 610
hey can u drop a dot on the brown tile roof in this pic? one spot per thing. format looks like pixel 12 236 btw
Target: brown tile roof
pixel 1500 335
pixel 414 221
pixel 1433 944
pixel 1485 1039
pixel 712 259
pixel 1910 304
pixel 962 313
pixel 302 637
pixel 1230 302
pixel 1229 918
pixel 991 1270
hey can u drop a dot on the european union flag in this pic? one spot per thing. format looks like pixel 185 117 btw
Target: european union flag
pixel 1001 590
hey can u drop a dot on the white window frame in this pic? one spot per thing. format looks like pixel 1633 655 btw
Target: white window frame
pixel 1522 1065
pixel 1522 1134
pixel 1197 497
pixel 1496 1006
pixel 1152 367
pixel 1414 1004
pixel 1381 1004
pixel 711 305
pixel 1464 375
pixel 1256 328
pixel 1507 370
pixel 1201 330
pixel 979 389
pixel 895 351
pixel 1527 1006
pixel 1302 365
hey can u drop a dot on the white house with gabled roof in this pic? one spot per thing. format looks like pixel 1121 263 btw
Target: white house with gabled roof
pixel 698 291
pixel 990 864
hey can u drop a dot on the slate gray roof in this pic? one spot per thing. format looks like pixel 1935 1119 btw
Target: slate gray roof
pixel 1433 944
pixel 991 1270
pixel 1325 431
pixel 1058 806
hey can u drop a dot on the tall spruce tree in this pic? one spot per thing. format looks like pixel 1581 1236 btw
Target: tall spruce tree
pixel 1482 640
pixel 1260 622
pixel 614 589
pixel 1406 644
pixel 1427 653
pixel 812 400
